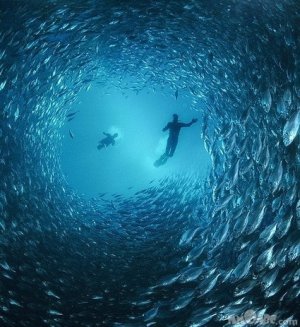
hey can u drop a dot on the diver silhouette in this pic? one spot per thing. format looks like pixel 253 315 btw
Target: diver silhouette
pixel 174 128
pixel 108 140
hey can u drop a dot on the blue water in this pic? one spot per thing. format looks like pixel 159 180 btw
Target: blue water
pixel 104 238
pixel 128 166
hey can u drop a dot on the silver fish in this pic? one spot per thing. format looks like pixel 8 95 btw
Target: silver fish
pixel 291 128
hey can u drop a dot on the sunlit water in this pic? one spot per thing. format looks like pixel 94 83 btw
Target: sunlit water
pixel 129 165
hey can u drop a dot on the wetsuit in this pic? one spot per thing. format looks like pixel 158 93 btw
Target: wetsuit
pixel 174 129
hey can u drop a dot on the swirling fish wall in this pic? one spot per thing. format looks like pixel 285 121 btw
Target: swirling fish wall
pixel 186 252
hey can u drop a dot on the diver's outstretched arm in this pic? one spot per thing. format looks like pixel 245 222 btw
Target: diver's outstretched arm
pixel 193 121
pixel 106 134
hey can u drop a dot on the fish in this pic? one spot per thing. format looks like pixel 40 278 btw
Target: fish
pixel 188 236
pixel 264 259
pixel 195 253
pixel 245 286
pixel 272 290
pixel 151 314
pixel 242 270
pixel 55 313
pixel 283 227
pixel 266 100
pixel 169 280
pixel 257 220
pixel 211 285
pixel 222 234
pixel 268 233
pixel 71 118
pixel 201 320
pixel 291 128
pixel 183 301
pixel 269 278
pixel 235 176
pixel 294 252
pixel 194 248
pixel 71 134
pixel 280 258
pixel 223 204
pixel 71 114
pixel 190 274
pixel 241 224
pixel 52 294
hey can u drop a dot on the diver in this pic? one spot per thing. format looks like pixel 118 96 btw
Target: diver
pixel 108 140
pixel 174 129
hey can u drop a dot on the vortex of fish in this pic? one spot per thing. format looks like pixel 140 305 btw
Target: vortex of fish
pixel 183 252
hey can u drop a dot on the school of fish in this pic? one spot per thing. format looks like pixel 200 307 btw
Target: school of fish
pixel 183 252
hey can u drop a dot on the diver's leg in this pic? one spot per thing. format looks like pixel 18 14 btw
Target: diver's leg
pixel 173 148
pixel 101 145
pixel 168 147
pixel 105 144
